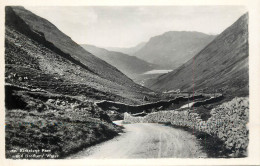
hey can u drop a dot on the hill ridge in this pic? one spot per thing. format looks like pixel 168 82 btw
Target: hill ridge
pixel 51 60
pixel 131 66
pixel 41 26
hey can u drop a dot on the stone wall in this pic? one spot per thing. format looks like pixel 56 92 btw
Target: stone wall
pixel 215 99
pixel 228 122
pixel 164 104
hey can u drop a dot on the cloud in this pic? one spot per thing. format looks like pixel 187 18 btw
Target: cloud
pixel 91 16
pixel 121 26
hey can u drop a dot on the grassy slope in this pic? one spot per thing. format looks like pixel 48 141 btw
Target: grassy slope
pixel 222 65
pixel 61 124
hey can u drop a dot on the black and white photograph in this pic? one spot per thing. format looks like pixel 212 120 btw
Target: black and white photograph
pixel 126 82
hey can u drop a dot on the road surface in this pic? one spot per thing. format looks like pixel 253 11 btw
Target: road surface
pixel 146 140
pixel 188 105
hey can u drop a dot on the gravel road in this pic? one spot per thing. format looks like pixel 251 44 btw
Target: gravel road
pixel 146 140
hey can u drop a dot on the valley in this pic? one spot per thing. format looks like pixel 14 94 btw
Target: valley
pixel 174 96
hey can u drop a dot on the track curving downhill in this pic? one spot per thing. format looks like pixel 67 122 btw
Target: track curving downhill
pixel 146 140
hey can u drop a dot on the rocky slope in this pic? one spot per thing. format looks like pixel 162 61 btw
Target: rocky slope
pixel 227 125
pixel 129 65
pixel 174 48
pixel 221 66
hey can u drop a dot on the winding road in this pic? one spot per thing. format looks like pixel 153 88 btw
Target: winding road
pixel 146 140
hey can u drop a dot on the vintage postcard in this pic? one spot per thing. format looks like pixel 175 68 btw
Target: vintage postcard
pixel 104 82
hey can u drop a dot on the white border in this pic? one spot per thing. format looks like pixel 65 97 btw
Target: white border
pixel 254 66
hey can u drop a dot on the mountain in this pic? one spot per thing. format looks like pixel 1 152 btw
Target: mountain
pixel 129 51
pixel 174 48
pixel 220 66
pixel 39 55
pixel 129 65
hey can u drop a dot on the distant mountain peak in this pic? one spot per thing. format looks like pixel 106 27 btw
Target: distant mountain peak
pixel 220 66
pixel 173 48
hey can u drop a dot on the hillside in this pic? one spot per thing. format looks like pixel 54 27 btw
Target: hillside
pixel 129 65
pixel 221 66
pixel 174 48
pixel 36 49
pixel 51 86
pixel 125 50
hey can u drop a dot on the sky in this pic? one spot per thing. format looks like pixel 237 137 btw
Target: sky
pixel 119 26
